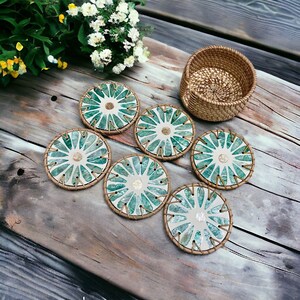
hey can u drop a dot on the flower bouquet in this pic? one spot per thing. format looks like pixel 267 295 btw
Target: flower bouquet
pixel 41 34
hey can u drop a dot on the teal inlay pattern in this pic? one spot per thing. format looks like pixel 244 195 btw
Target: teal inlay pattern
pixel 197 219
pixel 136 186
pixel 164 131
pixel 222 159
pixel 109 108
pixel 77 159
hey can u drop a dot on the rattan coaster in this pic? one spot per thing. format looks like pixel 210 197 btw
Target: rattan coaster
pixel 136 186
pixel 109 108
pixel 222 159
pixel 197 219
pixel 77 159
pixel 164 131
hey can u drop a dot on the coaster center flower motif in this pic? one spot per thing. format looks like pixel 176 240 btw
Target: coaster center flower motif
pixel 197 219
pixel 109 108
pixel 164 131
pixel 136 186
pixel 77 159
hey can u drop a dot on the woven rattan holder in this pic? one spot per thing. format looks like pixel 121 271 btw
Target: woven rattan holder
pixel 217 82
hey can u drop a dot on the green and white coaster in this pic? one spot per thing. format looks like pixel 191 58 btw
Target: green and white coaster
pixel 197 219
pixel 164 131
pixel 222 159
pixel 136 186
pixel 77 159
pixel 109 108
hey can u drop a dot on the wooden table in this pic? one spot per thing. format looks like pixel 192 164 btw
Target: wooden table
pixel 260 261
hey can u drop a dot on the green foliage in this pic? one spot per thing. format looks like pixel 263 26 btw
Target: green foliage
pixel 36 26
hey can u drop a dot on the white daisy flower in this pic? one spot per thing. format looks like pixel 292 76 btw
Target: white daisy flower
pixel 96 60
pixel 129 61
pixel 122 7
pixel 118 18
pixel 133 34
pixel 99 22
pixel 105 56
pixel 95 39
pixel 117 69
pixel 72 10
pixel 52 59
pixel 127 45
pixel 88 9
pixel 133 17
pixel 99 3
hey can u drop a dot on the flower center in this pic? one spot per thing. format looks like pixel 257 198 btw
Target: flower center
pixel 223 158
pixel 166 130
pixel 200 216
pixel 109 105
pixel 137 184
pixel 77 156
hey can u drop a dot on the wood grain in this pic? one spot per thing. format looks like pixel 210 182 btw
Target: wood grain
pixel 190 40
pixel 29 272
pixel 264 247
pixel 272 24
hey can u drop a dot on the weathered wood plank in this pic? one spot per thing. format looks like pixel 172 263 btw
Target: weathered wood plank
pixel 272 24
pixel 28 272
pixel 190 40
pixel 72 224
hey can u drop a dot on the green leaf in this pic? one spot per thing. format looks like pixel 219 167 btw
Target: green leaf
pixel 40 62
pixel 4 81
pixel 82 36
pixel 2 1
pixel 9 20
pixel 30 56
pixel 46 49
pixel 41 38
pixel 35 71
pixel 57 51
pixel 8 54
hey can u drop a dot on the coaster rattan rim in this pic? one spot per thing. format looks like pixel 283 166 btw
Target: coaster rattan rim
pixel 119 130
pixel 82 187
pixel 164 158
pixel 138 217
pixel 188 250
pixel 199 175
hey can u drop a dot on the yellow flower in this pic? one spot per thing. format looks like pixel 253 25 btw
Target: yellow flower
pixel 61 64
pixel 10 63
pixel 61 18
pixel 3 64
pixel 16 60
pixel 45 69
pixel 71 6
pixel 4 73
pixel 19 46
pixel 22 67
pixel 14 74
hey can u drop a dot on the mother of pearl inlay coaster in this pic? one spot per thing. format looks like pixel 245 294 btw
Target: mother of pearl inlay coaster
pixel 222 159
pixel 136 186
pixel 197 219
pixel 77 159
pixel 164 131
pixel 109 108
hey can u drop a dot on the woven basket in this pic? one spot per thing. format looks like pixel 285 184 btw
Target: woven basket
pixel 217 82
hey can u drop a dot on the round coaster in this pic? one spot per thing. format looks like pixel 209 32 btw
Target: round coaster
pixel 77 159
pixel 109 108
pixel 197 219
pixel 136 186
pixel 164 131
pixel 222 159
